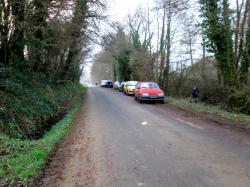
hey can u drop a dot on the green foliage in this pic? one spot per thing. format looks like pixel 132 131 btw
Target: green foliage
pixel 124 68
pixel 209 93
pixel 233 100
pixel 27 104
pixel 32 40
pixel 217 26
pixel 239 100
pixel 22 160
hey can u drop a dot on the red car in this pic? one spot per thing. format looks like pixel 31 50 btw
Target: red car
pixel 149 91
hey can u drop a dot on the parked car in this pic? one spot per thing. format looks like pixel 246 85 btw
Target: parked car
pixel 121 87
pixel 117 84
pixel 103 83
pixel 129 87
pixel 107 83
pixel 149 91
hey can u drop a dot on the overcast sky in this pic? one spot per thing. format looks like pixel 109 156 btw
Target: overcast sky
pixel 119 9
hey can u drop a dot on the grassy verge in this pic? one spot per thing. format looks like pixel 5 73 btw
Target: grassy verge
pixel 202 107
pixel 22 160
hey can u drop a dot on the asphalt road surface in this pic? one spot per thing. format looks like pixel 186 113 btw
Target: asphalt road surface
pixel 117 142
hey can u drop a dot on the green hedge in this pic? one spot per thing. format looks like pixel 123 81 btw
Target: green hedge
pixel 239 100
pixel 232 99
pixel 26 104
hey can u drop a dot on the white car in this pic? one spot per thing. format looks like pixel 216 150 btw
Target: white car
pixel 103 83
pixel 117 84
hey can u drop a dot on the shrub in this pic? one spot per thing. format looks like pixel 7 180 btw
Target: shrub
pixel 21 161
pixel 239 100
pixel 27 105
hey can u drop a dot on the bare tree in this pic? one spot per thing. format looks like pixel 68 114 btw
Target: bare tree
pixel 170 9
pixel 189 36
pixel 242 12
pixel 142 59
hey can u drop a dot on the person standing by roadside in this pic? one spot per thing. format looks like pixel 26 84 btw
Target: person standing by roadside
pixel 195 94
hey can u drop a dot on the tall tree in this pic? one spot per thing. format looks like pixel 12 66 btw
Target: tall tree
pixel 142 60
pixel 217 26
pixel 77 33
pixel 170 9
pixel 47 37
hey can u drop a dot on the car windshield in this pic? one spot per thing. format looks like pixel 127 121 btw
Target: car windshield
pixel 132 83
pixel 149 85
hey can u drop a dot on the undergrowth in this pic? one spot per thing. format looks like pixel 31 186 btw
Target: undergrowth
pixel 28 103
pixel 212 109
pixel 22 160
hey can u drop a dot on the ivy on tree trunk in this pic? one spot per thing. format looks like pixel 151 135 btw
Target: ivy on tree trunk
pixel 217 26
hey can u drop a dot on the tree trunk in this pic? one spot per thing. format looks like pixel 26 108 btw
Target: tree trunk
pixel 168 49
pixel 17 38
pixel 245 65
pixel 162 50
pixel 203 59
pixel 4 34
pixel 241 35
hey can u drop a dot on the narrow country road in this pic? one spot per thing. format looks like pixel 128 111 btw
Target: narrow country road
pixel 117 142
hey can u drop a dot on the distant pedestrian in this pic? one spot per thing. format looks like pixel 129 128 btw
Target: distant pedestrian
pixel 195 94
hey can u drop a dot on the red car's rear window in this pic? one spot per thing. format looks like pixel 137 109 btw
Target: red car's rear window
pixel 149 85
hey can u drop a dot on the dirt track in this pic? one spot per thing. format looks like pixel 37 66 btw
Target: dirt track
pixel 117 142
pixel 71 165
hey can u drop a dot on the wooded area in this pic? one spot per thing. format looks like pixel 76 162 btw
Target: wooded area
pixel 50 37
pixel 181 44
pixel 43 46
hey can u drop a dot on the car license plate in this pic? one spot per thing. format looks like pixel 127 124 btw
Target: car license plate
pixel 152 97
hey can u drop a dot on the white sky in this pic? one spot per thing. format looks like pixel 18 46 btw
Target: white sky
pixel 119 9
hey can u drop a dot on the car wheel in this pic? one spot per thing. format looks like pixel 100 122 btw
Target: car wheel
pixel 139 100
pixel 162 102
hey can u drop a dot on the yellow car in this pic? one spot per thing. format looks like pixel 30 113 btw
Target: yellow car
pixel 129 87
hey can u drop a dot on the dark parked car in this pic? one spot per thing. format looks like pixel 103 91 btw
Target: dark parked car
pixel 107 83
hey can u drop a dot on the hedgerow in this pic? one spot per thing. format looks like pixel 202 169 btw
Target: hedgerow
pixel 28 104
